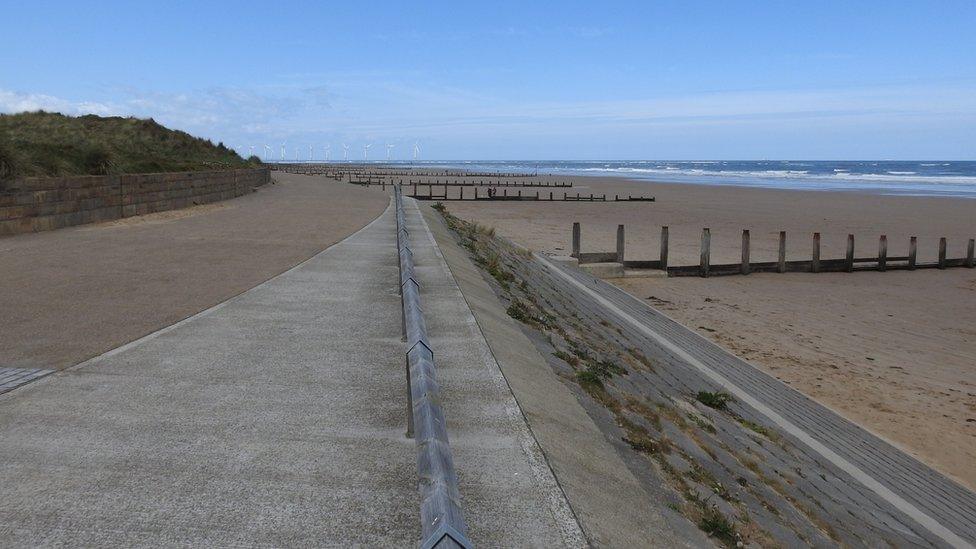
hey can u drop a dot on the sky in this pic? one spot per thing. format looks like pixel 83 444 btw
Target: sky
pixel 507 80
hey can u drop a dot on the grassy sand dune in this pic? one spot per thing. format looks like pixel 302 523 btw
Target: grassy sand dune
pixel 52 144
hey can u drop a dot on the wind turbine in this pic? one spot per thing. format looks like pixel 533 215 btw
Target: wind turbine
pixel 282 152
pixel 389 151
pixel 252 151
pixel 328 152
pixel 310 153
pixel 366 151
pixel 345 152
pixel 416 150
pixel 267 152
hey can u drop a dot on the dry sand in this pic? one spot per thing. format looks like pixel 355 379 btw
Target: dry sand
pixel 895 351
pixel 75 293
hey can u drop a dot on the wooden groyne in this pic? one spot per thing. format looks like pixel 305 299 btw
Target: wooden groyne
pixel 504 193
pixel 344 170
pixel 816 264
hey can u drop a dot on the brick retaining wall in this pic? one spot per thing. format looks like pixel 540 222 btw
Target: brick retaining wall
pixel 44 203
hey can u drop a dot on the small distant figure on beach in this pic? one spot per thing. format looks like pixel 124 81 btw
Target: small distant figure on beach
pixel 491 192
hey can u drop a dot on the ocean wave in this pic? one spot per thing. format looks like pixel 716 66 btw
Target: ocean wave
pixel 886 177
pixel 837 175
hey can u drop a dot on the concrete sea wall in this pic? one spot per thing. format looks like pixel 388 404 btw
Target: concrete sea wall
pixel 45 203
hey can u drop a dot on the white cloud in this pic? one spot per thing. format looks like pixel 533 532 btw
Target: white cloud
pixel 14 102
pixel 363 107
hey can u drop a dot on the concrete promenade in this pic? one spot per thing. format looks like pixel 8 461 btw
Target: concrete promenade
pixel 276 418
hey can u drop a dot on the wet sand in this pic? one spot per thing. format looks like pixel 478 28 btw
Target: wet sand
pixel 895 352
pixel 77 292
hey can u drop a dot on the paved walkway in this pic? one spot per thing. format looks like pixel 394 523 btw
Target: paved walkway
pixel 943 511
pixel 274 419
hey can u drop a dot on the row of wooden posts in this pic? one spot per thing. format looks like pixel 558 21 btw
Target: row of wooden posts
pixel 367 181
pixel 340 170
pixel 816 264
pixel 490 183
pixel 537 196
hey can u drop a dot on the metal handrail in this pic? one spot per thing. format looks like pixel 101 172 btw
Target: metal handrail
pixel 442 524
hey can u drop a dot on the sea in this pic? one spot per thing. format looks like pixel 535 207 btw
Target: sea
pixel 890 177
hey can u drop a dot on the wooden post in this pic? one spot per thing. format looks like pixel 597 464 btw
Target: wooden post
pixel 883 252
pixel 576 240
pixel 781 267
pixel 912 252
pixel 664 248
pixel 815 262
pixel 942 253
pixel 850 253
pixel 745 252
pixel 969 253
pixel 706 244
pixel 550 196
pixel 620 244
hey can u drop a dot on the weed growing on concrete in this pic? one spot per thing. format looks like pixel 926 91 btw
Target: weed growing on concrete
pixel 567 358
pixel 718 400
pixel 756 428
pixel 715 524
pixel 588 378
pixel 702 423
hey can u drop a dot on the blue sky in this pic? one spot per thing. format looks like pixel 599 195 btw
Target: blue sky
pixel 502 80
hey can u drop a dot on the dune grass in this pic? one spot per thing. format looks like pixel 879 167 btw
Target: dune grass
pixel 52 144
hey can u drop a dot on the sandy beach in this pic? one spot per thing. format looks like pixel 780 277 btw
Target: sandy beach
pixel 84 290
pixel 894 352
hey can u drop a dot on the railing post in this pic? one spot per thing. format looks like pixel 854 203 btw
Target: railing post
pixel 912 252
pixel 815 258
pixel 969 253
pixel 406 359
pixel 850 253
pixel 745 252
pixel 620 244
pixel 781 266
pixel 883 252
pixel 942 253
pixel 706 244
pixel 664 248
pixel 576 240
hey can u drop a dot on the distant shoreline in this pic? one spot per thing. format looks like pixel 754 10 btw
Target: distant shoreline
pixel 929 179
pixel 946 179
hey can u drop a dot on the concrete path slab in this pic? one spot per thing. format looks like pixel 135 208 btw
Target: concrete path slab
pixel 508 493
pixel 276 418
pixel 611 505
